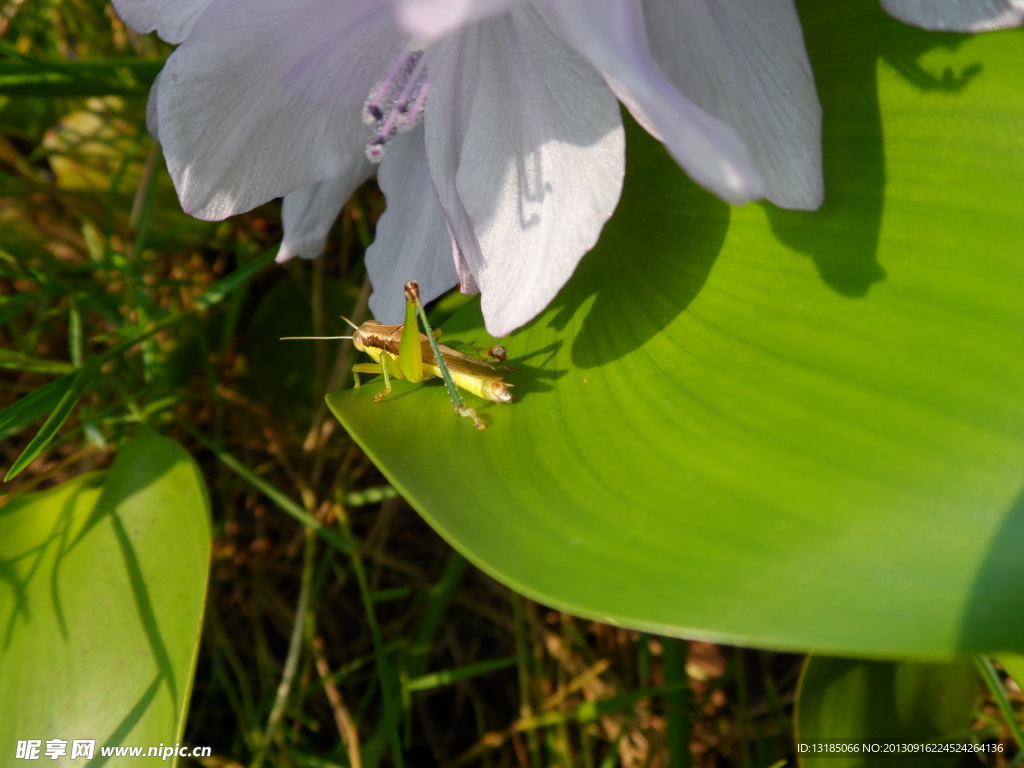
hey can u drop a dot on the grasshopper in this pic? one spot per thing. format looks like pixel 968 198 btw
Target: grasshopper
pixel 416 356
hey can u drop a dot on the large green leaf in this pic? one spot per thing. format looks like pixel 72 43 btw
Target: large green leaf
pixel 1013 664
pixel 773 428
pixel 102 584
pixel 895 706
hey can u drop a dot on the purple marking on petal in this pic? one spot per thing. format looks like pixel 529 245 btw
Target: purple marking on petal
pixel 396 103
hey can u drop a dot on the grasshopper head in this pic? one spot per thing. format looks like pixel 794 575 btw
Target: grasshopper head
pixel 362 336
pixel 497 390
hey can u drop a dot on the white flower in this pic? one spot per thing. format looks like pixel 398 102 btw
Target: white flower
pixel 958 15
pixel 500 137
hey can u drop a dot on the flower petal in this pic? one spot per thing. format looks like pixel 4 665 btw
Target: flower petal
pixel 443 123
pixel 744 62
pixel 412 240
pixel 958 15
pixel 615 42
pixel 432 19
pixel 264 98
pixel 309 213
pixel 170 19
pixel 536 141
pixel 152 117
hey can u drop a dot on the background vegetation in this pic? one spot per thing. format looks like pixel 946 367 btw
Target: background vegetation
pixel 339 628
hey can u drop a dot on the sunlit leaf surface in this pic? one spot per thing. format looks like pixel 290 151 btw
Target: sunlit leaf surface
pixel 774 428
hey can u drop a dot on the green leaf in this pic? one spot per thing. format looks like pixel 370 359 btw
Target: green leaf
pixel 102 585
pixel 773 428
pixel 901 703
pixel 1013 664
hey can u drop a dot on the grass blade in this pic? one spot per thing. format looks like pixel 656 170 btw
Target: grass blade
pixel 27 409
pixel 79 382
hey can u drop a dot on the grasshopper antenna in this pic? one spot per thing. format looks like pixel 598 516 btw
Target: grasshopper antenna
pixel 321 338
pixel 312 338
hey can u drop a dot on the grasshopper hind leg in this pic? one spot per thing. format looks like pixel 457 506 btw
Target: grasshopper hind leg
pixel 414 307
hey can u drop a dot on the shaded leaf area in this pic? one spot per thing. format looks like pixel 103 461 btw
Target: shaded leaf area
pixel 101 597
pixel 772 428
pixel 899 704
